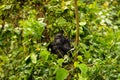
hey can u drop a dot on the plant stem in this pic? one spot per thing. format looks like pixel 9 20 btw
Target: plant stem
pixel 77 22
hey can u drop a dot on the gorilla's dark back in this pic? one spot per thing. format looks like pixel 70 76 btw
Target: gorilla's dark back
pixel 60 45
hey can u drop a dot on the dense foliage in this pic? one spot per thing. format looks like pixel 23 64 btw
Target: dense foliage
pixel 28 26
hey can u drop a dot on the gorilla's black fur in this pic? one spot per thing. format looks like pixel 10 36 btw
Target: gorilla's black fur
pixel 60 45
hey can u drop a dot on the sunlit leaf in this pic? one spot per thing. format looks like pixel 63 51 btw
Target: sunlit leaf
pixel 84 69
pixel 61 21
pixel 80 58
pixel 33 57
pixel 82 23
pixel 106 4
pixel 60 61
pixel 61 74
pixel 44 54
pixel 76 64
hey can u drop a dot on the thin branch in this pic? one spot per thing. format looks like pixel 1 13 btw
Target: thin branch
pixel 77 22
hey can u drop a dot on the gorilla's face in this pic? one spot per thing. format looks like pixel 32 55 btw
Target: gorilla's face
pixel 59 38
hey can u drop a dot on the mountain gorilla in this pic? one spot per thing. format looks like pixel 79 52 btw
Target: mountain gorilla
pixel 60 45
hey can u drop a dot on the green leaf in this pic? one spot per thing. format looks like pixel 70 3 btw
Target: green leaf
pixel 33 57
pixel 4 58
pixel 61 21
pixel 84 69
pixel 61 74
pixel 4 7
pixel 82 23
pixel 44 53
pixel 76 64
pixel 60 61
pixel 80 58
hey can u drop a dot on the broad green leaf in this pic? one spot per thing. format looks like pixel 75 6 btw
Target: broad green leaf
pixel 84 69
pixel 61 74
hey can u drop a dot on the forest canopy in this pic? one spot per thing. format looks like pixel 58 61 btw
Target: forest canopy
pixel 91 27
